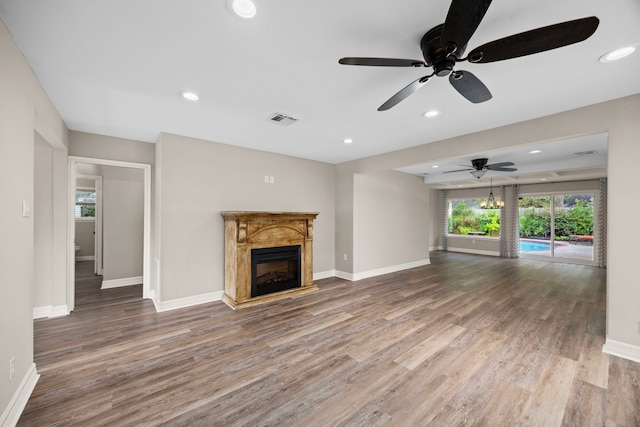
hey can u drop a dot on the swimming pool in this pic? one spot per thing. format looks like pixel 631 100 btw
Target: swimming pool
pixel 528 245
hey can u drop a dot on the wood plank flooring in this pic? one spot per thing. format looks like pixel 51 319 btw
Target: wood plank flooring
pixel 467 340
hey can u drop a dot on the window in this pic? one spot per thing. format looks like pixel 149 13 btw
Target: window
pixel 466 217
pixel 86 204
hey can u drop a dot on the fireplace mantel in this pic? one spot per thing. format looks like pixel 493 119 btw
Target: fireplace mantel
pixel 244 231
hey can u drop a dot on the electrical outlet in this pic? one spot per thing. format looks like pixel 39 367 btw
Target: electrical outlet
pixel 345 257
pixel 266 179
pixel 12 368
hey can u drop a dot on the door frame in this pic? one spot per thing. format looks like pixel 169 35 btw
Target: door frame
pixel 147 291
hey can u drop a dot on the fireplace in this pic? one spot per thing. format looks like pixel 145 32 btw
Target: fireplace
pixel 274 269
pixel 267 256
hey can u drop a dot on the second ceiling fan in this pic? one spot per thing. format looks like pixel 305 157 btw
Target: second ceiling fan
pixel 479 167
pixel 443 46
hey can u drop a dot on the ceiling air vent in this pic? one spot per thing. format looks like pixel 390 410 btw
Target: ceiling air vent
pixel 585 153
pixel 282 119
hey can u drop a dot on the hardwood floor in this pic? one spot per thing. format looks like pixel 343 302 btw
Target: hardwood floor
pixel 467 340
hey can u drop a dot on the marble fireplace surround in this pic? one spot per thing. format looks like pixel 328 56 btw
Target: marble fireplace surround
pixel 244 231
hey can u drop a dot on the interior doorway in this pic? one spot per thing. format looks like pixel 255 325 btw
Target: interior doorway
pixel 74 162
pixel 88 217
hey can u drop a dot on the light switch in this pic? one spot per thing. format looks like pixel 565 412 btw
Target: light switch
pixel 26 209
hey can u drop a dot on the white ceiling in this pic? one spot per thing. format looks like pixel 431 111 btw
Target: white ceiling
pixel 116 68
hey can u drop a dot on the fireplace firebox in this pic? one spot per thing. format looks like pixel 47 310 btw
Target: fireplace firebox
pixel 275 269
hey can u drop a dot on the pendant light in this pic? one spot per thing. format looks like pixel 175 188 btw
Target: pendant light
pixel 491 202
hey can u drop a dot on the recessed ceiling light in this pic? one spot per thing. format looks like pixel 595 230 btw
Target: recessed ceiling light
pixel 431 113
pixel 535 151
pixel 614 55
pixel 543 179
pixel 190 96
pixel 347 140
pixel 246 9
pixel 435 166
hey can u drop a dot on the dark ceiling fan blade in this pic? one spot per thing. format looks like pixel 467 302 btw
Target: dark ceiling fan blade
pixel 459 170
pixel 494 166
pixel 502 169
pixel 463 19
pixel 535 41
pixel 469 86
pixel 404 93
pixel 383 62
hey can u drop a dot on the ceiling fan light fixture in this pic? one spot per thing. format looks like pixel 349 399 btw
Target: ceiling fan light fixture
pixel 616 54
pixel 478 173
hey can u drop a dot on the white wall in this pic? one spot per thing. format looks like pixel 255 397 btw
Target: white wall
pixel 199 179
pixel 123 222
pixel 24 107
pixel 391 214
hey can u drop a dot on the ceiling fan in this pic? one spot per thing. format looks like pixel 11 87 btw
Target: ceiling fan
pixel 479 167
pixel 444 45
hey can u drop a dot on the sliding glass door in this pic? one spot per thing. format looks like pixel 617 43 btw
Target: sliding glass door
pixel 557 226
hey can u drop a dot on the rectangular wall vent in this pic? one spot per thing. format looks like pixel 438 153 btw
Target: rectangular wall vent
pixel 585 153
pixel 282 119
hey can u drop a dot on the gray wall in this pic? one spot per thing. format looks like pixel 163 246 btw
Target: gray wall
pixel 123 219
pixel 391 220
pixel 199 179
pixel 42 223
pixel 24 107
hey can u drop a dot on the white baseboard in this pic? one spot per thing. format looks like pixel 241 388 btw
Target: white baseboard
pixel 324 274
pixel 118 283
pixel 85 258
pixel 187 301
pixel 12 413
pixel 436 248
pixel 377 272
pixel 50 311
pixel 42 312
pixel 344 275
pixel 473 251
pixel 620 349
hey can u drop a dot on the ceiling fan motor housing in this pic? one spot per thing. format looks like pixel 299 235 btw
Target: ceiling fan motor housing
pixel 434 53
pixel 479 164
